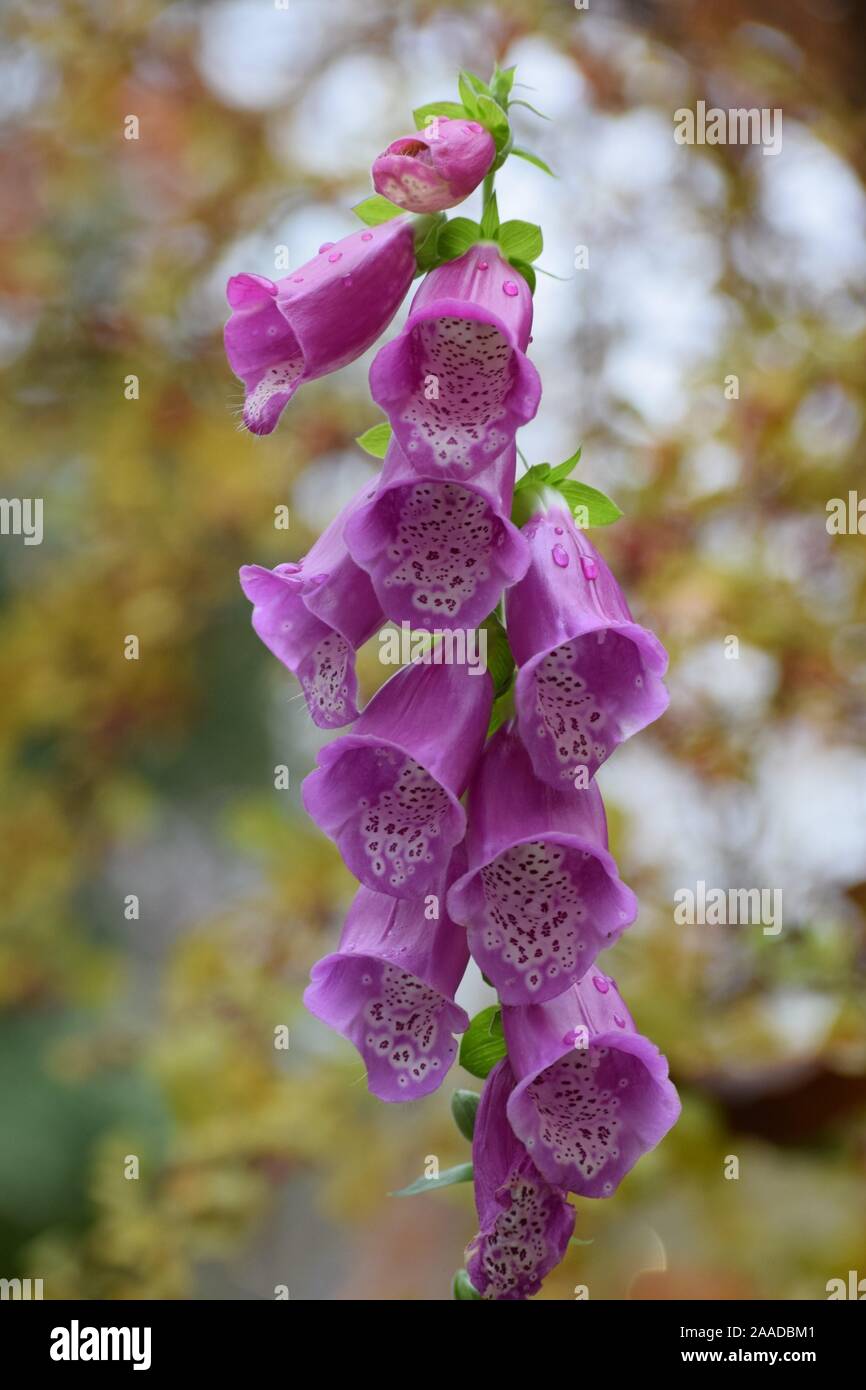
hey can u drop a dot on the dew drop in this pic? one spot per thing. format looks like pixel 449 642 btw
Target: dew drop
pixel 325 246
pixel 601 984
pixel 335 256
pixel 510 288
pixel 366 236
pixel 558 530
pixel 560 556
pixel 483 265
pixel 589 567
pixel 620 1022
pixel 297 279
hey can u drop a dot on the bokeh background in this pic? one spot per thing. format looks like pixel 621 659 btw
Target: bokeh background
pixel 155 777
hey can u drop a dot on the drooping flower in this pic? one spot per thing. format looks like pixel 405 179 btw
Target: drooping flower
pixel 593 1095
pixel 434 168
pixel 589 676
pixel 525 1223
pixel 389 792
pixel 541 896
pixel 439 551
pixel 317 319
pixel 456 383
pixel 389 988
pixel 313 616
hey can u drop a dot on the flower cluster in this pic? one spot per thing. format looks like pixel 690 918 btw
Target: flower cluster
pixel 466 808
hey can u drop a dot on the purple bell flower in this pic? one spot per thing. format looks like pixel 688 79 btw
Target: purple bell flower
pixel 439 551
pixel 542 895
pixel 589 675
pixel 456 383
pixel 389 989
pixel 434 168
pixel 524 1222
pixel 319 318
pixel 313 616
pixel 592 1094
pixel 388 793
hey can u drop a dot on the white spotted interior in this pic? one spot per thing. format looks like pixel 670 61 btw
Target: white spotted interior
pixel 323 678
pixel 533 911
pixel 404 1025
pixel 443 541
pixel 464 378
pixel 577 1101
pixel 398 828
pixel 515 1252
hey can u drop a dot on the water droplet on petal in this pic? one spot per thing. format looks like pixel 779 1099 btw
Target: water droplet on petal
pixel 325 246
pixel 620 1022
pixel 474 127
pixel 601 984
pixel 347 280
pixel 483 265
pixel 589 567
pixel 510 288
pixel 366 236
pixel 297 279
pixel 558 530
pixel 335 256
pixel 560 556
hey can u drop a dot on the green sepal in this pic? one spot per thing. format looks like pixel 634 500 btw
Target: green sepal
pixel 500 662
pixel 501 83
pixel 519 101
pixel 375 210
pixel 463 1289
pixel 456 237
pixel 469 86
pixel 453 110
pixel 564 470
pixel 376 439
pixel 600 510
pixel 461 1173
pixel 527 271
pixel 520 241
pixel 490 220
pixel 492 116
pixel 464 1107
pixel 533 159
pixel 483 1043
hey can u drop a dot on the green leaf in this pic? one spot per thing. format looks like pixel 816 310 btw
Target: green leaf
pixel 601 511
pixel 464 1106
pixel 477 83
pixel 533 159
pixel 525 269
pixel 483 1043
pixel 468 93
pixel 500 662
pixel 456 237
pixel 427 253
pixel 538 473
pixel 376 210
pixel 491 115
pixel 422 115
pixel 518 101
pixel 462 1173
pixel 463 1289
pixel 375 440
pixel 564 470
pixel 503 709
pixel 490 219
pixel 521 241
pixel 501 83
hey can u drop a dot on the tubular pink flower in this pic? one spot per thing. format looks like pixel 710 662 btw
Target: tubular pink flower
pixel 593 1095
pixel 542 895
pixel 319 318
pixel 439 552
pixel 525 1223
pixel 389 989
pixel 456 384
pixel 589 676
pixel 388 793
pixel 313 616
pixel 434 168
